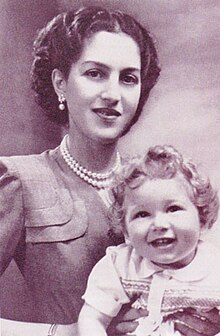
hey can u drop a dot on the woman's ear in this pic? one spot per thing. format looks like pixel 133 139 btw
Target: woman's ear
pixel 59 82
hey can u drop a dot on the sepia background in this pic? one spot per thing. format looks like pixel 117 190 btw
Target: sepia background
pixel 183 109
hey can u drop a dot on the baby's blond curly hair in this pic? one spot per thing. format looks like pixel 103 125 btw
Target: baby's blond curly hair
pixel 163 162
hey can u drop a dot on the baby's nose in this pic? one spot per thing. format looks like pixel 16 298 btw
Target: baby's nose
pixel 161 222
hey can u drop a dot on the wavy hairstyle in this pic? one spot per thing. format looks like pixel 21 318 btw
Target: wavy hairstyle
pixel 164 162
pixel 60 43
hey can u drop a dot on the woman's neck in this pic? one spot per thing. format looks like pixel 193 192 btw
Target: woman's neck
pixel 92 155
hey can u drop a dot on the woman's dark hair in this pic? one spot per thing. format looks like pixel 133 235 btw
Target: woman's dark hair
pixel 61 42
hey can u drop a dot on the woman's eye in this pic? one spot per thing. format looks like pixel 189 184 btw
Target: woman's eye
pixel 94 73
pixel 141 214
pixel 174 208
pixel 130 79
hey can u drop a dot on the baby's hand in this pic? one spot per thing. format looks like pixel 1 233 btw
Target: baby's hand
pixel 144 327
pixel 65 330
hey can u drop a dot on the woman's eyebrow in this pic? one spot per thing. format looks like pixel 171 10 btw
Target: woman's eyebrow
pixel 105 66
pixel 131 69
pixel 95 63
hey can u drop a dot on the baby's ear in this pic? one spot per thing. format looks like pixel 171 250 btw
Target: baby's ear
pixel 127 239
pixel 203 231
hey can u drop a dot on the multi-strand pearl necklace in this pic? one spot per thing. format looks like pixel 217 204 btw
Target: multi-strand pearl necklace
pixel 97 180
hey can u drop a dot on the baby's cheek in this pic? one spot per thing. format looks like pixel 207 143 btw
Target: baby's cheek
pixel 191 237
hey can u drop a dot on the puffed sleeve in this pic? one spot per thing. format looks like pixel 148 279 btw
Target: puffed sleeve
pixel 104 289
pixel 11 212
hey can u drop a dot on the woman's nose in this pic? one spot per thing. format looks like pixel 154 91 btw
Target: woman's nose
pixel 111 92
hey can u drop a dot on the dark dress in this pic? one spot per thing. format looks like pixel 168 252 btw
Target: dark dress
pixel 56 227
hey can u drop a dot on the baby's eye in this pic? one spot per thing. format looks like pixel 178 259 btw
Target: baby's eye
pixel 129 79
pixel 174 208
pixel 94 73
pixel 141 214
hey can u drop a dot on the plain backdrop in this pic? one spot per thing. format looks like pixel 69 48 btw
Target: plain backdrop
pixel 183 108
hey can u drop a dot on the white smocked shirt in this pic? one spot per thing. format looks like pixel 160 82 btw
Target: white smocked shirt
pixel 121 274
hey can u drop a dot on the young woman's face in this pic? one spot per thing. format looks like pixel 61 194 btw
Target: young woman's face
pixel 162 222
pixel 103 87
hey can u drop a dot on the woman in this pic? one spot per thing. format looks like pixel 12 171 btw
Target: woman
pixel 93 70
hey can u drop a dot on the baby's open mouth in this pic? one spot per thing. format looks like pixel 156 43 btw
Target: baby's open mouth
pixel 160 242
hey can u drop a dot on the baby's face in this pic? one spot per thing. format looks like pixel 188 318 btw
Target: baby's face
pixel 162 222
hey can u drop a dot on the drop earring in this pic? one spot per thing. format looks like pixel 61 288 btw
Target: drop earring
pixel 61 99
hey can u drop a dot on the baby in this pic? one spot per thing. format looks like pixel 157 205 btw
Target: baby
pixel 162 204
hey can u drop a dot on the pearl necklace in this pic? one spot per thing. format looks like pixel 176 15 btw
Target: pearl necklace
pixel 97 180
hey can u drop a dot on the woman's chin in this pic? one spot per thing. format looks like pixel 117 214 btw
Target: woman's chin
pixel 108 136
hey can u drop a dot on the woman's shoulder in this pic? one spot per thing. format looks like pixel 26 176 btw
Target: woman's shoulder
pixel 28 167
pixel 35 175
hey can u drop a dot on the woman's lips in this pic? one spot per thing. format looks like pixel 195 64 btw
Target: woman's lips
pixel 107 113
